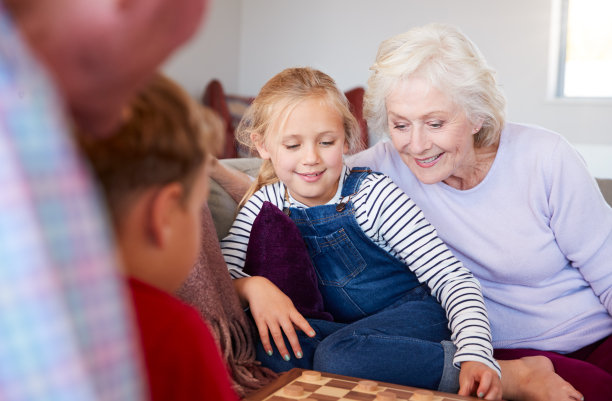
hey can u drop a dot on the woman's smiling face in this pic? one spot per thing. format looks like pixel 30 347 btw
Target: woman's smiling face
pixel 432 135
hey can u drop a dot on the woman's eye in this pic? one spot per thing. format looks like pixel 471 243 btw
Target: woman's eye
pixel 436 124
pixel 399 126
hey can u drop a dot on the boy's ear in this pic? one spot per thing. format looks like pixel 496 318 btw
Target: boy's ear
pixel 260 145
pixel 164 206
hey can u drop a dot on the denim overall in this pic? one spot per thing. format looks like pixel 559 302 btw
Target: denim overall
pixel 387 325
pixel 357 278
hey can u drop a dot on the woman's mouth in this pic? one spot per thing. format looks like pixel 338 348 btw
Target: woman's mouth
pixel 428 161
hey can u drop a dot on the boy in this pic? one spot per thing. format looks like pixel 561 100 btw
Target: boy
pixel 154 172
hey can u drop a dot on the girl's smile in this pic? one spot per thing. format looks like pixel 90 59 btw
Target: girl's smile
pixel 311 177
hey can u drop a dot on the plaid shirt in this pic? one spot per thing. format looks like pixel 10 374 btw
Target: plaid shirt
pixel 65 327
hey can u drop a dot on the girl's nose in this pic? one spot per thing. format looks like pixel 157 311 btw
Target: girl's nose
pixel 311 155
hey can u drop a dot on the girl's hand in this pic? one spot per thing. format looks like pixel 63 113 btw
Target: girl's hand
pixel 274 313
pixel 478 379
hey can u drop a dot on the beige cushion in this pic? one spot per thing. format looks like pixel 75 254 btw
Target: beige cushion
pixel 222 207
pixel 605 184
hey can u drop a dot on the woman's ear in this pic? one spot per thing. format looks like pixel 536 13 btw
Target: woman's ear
pixel 165 204
pixel 477 126
pixel 257 140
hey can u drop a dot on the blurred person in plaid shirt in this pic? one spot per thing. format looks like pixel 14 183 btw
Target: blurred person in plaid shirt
pixel 66 330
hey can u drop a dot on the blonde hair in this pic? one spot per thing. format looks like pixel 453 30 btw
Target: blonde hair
pixel 164 138
pixel 445 57
pixel 274 103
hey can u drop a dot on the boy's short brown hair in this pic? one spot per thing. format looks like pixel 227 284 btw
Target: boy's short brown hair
pixel 163 139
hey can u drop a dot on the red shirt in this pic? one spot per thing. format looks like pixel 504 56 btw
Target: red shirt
pixel 181 357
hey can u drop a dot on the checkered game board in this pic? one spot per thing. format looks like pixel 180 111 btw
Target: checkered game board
pixel 308 385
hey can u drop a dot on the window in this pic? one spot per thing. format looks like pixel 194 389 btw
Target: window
pixel 585 51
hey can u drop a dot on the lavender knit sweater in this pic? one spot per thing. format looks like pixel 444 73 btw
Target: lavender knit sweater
pixel 536 232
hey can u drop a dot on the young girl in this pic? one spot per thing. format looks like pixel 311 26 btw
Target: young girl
pixel 392 286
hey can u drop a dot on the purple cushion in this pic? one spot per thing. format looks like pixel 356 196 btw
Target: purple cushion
pixel 277 251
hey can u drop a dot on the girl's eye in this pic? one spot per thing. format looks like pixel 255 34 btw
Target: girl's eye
pixel 327 143
pixel 290 147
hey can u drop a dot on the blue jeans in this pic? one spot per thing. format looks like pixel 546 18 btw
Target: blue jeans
pixel 412 350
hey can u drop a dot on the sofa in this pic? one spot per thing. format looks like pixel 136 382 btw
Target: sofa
pixel 223 207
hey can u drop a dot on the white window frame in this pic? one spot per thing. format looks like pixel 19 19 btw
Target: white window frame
pixel 558 45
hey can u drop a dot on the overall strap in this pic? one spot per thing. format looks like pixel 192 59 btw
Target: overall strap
pixel 351 185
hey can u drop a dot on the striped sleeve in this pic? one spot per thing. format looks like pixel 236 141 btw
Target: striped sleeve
pixel 234 245
pixel 393 221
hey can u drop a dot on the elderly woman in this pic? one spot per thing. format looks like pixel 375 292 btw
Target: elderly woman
pixel 514 203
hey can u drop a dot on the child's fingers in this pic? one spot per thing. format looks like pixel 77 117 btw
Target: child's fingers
pixel 303 324
pixel 277 336
pixel 262 328
pixel 477 379
pixel 298 321
pixel 466 386
pixel 293 339
pixel 489 387
pixel 575 394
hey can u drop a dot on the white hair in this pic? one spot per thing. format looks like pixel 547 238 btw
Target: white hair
pixel 450 62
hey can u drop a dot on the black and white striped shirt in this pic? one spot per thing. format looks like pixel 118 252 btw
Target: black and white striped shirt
pixel 393 221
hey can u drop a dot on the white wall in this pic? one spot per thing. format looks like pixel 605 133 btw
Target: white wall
pixel 214 51
pixel 341 37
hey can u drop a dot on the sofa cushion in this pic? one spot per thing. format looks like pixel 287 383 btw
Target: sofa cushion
pixel 277 251
pixel 222 207
pixel 605 185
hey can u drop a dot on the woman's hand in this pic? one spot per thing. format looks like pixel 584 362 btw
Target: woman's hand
pixel 478 379
pixel 274 313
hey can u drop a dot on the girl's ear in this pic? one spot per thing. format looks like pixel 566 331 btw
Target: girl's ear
pixel 257 140
pixel 164 207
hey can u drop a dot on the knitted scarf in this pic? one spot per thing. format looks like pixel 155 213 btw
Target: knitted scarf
pixel 210 290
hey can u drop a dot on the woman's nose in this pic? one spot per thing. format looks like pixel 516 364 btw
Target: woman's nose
pixel 419 141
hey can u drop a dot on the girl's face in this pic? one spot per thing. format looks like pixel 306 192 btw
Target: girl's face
pixel 432 135
pixel 306 151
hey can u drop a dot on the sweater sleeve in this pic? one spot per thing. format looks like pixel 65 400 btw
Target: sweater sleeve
pixel 234 245
pixel 392 220
pixel 581 219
